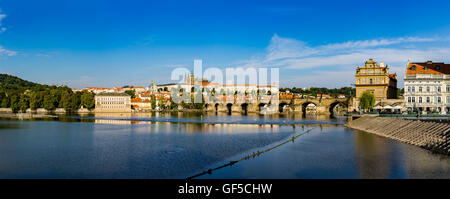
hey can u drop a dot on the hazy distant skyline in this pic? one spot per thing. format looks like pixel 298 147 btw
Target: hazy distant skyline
pixel 314 43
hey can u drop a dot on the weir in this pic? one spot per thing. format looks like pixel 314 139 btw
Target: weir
pixel 252 155
pixel 428 135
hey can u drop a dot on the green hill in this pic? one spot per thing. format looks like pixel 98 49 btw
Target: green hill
pixel 9 83
pixel 19 95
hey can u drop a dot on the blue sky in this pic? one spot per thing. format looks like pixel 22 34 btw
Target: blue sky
pixel 314 43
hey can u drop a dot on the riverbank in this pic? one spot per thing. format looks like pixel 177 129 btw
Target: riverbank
pixel 433 136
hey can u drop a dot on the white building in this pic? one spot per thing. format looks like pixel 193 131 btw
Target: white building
pixel 112 102
pixel 427 87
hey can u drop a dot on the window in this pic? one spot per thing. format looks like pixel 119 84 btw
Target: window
pixel 413 68
pixel 420 89
pixel 438 88
pixel 409 88
pixel 438 67
pixel 413 89
pixel 371 81
pixel 448 89
pixel 413 99
pixel 439 99
pixel 409 99
pixel 428 99
pixel 420 99
pixel 428 89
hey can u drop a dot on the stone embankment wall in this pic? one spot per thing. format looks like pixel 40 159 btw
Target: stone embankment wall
pixel 429 135
pixel 44 111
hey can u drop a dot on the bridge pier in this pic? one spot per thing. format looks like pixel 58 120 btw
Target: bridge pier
pixel 211 108
pixel 252 108
pixel 298 108
pixel 322 110
pixel 222 108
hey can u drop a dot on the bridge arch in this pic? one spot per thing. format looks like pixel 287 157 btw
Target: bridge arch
pixel 333 105
pixel 260 106
pixel 305 105
pixel 282 106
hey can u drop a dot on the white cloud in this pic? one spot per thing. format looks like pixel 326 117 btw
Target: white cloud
pixel 2 29
pixel 375 43
pixel 282 51
pixel 387 55
pixel 324 65
pixel 7 52
pixel 320 79
pixel 281 48
pixel 4 51
pixel 43 55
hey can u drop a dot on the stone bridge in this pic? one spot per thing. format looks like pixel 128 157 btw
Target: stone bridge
pixel 324 106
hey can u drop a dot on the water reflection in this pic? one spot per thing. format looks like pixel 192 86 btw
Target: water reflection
pixel 373 155
pixel 339 152
pixel 98 146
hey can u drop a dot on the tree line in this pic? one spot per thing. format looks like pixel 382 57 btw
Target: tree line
pixel 20 95
pixel 347 91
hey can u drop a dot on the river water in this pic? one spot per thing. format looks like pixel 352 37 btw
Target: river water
pixel 180 145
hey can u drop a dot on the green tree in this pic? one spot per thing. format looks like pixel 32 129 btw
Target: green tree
pixel 50 101
pixel 24 103
pixel 162 102
pixel 2 96
pixel 57 95
pixel 131 93
pixel 367 100
pixel 400 93
pixel 14 103
pixel 153 101
pixel 75 101
pixel 173 105
pixel 70 101
pixel 36 100
pixel 5 102
pixel 87 100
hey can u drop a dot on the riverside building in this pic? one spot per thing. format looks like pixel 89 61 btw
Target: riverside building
pixel 427 87
pixel 112 102
pixel 376 79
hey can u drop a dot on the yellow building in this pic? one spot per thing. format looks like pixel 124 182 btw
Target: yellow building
pixel 376 79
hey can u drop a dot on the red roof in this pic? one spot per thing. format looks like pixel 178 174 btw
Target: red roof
pixel 434 68
pixel 96 88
